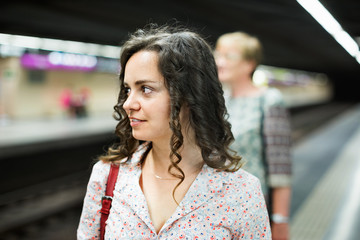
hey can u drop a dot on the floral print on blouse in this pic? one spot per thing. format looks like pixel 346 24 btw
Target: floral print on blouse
pixel 218 205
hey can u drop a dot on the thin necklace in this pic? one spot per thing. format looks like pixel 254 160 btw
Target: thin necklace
pixel 159 177
pixel 162 178
pixel 165 178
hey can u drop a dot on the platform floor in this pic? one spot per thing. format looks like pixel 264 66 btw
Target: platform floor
pixel 326 192
pixel 20 132
pixel 326 165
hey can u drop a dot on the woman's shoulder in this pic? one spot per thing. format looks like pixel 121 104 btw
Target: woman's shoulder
pixel 100 170
pixel 241 185
pixel 98 176
pixel 274 97
pixel 135 157
pixel 244 176
pixel 240 177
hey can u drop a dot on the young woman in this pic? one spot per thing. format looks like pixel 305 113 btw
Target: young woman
pixel 177 177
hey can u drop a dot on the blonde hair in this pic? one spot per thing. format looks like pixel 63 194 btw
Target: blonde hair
pixel 250 47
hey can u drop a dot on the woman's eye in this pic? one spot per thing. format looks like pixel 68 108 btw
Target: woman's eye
pixel 127 90
pixel 147 90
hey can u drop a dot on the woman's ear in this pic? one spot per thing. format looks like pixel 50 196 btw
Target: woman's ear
pixel 250 65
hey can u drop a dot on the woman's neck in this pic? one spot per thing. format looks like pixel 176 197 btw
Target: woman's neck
pixel 158 159
pixel 245 88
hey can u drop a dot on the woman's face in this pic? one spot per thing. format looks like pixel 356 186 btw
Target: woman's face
pixel 230 63
pixel 148 101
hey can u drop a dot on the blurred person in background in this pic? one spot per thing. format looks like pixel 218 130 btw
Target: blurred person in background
pixel 177 176
pixel 260 124
pixel 80 102
pixel 66 99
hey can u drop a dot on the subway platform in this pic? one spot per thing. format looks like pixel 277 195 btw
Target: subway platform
pixel 22 132
pixel 326 193
pixel 326 174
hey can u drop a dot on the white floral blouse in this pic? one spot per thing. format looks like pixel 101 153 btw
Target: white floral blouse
pixel 218 205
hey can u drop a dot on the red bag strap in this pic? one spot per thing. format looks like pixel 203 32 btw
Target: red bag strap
pixel 107 199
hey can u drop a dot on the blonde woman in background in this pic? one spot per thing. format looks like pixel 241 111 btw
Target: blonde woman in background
pixel 260 124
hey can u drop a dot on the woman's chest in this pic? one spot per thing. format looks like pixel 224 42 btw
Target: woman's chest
pixel 210 221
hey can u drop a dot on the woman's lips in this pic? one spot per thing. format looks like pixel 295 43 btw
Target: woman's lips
pixel 135 122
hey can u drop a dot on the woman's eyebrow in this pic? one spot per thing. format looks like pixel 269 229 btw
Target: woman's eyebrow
pixel 140 82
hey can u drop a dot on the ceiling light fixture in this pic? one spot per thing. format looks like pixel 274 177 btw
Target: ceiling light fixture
pixel 329 23
pixel 60 45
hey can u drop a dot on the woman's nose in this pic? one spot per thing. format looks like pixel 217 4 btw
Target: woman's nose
pixel 131 103
pixel 219 61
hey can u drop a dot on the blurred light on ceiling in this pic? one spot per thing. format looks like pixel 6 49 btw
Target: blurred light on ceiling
pixel 332 26
pixel 60 45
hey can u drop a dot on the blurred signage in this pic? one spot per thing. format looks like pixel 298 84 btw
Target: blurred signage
pixel 59 61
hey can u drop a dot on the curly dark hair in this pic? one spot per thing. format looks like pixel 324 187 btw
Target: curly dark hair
pixel 188 66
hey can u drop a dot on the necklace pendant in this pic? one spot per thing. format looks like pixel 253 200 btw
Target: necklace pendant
pixel 158 177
